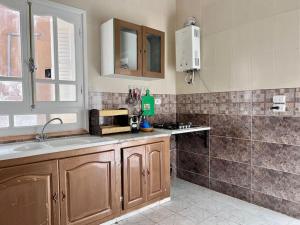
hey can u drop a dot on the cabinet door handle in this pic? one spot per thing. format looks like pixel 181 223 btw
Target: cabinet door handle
pixel 54 197
pixel 143 173
pixel 63 196
pixel 148 172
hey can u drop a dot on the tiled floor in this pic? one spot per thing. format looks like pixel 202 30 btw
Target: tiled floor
pixel 193 205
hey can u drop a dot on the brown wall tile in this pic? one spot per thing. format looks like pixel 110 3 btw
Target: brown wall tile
pixel 245 96
pixel 297 108
pixel 231 126
pixel 276 156
pixel 279 184
pixel 230 149
pixel 284 130
pixel 173 161
pixel 258 108
pixel 258 95
pixel 193 177
pixel 231 190
pixel 205 98
pixel 188 98
pixel 195 163
pixel 277 204
pixel 196 119
pixel 231 172
pixel 288 92
pixel 192 142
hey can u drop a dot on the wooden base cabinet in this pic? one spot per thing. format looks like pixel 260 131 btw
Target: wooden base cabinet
pixel 134 183
pixel 155 170
pixel 144 174
pixel 88 188
pixel 29 194
pixel 85 186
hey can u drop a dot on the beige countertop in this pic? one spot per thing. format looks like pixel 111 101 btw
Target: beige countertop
pixel 32 148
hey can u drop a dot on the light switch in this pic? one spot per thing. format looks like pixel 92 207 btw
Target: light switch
pixel 281 99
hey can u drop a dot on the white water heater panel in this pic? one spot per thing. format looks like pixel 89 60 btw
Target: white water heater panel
pixel 188 49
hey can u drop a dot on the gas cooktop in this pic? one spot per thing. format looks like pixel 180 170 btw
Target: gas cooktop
pixel 172 126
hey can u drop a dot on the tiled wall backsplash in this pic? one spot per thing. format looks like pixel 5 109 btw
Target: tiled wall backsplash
pixel 166 112
pixel 254 153
pixel 257 102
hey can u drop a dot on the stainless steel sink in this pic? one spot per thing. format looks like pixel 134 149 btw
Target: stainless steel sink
pixel 30 147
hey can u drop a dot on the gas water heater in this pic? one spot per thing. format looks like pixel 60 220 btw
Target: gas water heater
pixel 188 49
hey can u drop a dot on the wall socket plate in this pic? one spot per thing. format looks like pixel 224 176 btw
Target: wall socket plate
pixel 279 99
pixel 280 107
pixel 157 101
pixel 279 103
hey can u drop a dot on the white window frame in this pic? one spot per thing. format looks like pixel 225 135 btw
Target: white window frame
pixel 23 108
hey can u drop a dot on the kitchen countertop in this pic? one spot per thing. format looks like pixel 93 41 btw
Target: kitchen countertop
pixel 31 148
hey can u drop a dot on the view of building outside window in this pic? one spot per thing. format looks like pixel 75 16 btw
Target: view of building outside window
pixel 10 43
pixel 12 86
pixel 10 55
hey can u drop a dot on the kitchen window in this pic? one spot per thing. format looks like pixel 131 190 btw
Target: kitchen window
pixel 41 66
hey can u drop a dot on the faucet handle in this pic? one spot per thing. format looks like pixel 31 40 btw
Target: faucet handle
pixel 41 137
pixel 38 138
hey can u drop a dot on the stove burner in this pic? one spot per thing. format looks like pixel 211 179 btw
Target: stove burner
pixel 173 126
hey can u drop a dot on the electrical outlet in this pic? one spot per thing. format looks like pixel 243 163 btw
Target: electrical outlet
pixel 157 101
pixel 278 107
pixel 279 103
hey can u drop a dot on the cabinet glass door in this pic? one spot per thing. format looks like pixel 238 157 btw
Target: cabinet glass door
pixel 153 58
pixel 128 48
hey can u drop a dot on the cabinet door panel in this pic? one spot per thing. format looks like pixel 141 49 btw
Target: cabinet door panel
pixel 88 184
pixel 134 176
pixel 154 53
pixel 128 48
pixel 155 168
pixel 29 194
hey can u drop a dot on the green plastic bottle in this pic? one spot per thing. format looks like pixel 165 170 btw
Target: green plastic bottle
pixel 148 104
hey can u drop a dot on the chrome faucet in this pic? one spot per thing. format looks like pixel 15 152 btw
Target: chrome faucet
pixel 42 136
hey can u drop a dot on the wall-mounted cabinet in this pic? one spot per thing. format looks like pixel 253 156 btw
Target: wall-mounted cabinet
pixel 128 49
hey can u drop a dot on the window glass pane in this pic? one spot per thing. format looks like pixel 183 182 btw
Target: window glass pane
pixel 67 92
pixel 43 37
pixel 66 117
pixel 45 92
pixel 10 43
pixel 29 120
pixel 129 49
pixel 4 121
pixel 66 50
pixel 11 91
pixel 153 53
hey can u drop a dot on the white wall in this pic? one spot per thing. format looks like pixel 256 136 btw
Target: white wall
pixel 158 14
pixel 246 44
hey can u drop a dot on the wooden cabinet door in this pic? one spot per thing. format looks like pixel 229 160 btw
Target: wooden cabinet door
pixel 88 191
pixel 153 53
pixel 134 182
pixel 128 48
pixel 155 170
pixel 29 194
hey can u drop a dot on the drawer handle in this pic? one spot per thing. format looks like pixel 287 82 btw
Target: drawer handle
pixel 63 196
pixel 54 197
